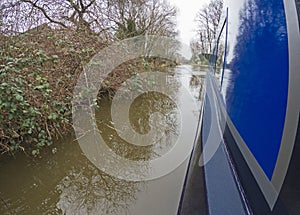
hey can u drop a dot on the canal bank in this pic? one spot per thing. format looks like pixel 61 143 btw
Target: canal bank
pixel 66 182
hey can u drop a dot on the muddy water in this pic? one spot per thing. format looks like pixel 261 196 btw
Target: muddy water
pixel 66 182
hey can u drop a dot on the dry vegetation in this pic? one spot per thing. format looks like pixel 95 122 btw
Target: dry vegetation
pixel 39 67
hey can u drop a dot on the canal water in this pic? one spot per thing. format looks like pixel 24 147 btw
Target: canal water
pixel 67 182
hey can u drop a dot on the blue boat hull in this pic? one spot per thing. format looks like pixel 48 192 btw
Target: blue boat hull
pixel 254 108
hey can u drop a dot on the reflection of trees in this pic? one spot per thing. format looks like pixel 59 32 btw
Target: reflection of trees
pixel 111 137
pixel 140 111
pixel 259 74
pixel 194 82
pixel 64 182
pixel 262 38
pixel 84 189
pixel 196 85
pixel 89 191
pixel 67 181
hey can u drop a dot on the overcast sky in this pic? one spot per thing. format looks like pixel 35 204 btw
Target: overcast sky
pixel 186 16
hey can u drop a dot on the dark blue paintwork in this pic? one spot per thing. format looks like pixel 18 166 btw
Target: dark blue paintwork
pixel 256 97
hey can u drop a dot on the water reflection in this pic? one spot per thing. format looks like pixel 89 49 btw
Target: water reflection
pixel 197 84
pixel 62 183
pixel 88 191
pixel 140 118
pixel 195 78
pixel 68 183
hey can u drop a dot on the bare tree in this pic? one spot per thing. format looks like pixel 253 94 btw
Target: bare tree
pixel 208 19
pixel 135 17
pixel 121 18
pixel 21 15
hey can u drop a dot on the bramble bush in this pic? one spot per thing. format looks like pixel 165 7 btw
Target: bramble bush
pixel 38 71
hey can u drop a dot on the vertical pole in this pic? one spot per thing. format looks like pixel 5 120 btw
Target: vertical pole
pixel 225 51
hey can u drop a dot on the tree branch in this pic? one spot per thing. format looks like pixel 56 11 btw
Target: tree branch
pixel 33 4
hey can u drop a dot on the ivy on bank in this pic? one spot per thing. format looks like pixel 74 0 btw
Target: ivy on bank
pixel 37 74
